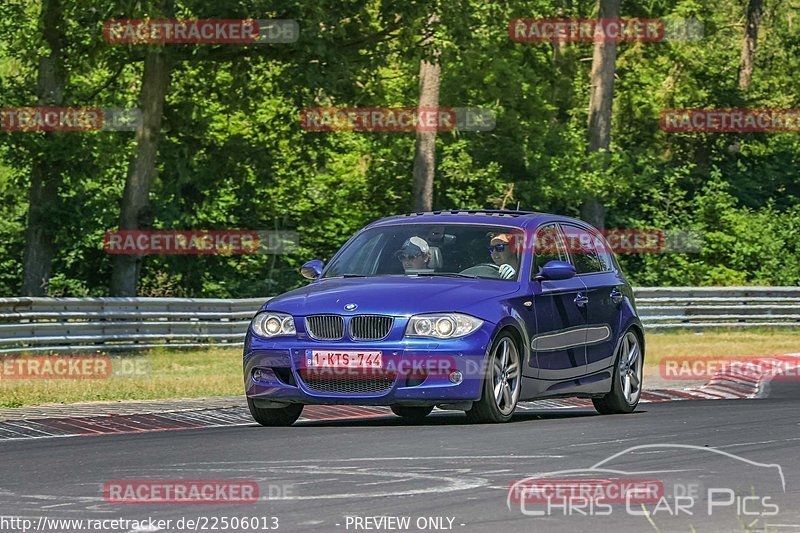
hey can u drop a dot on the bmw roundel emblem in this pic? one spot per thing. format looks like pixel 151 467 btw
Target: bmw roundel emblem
pixel 350 307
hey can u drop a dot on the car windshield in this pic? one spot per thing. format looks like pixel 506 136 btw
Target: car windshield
pixel 457 250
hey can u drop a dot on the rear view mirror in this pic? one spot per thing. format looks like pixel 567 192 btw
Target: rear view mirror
pixel 312 269
pixel 556 270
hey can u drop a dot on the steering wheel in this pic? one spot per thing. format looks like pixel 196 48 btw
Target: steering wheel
pixel 483 269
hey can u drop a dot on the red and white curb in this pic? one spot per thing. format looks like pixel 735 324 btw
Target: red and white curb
pixel 724 385
pixel 732 383
pixel 747 379
pixel 171 421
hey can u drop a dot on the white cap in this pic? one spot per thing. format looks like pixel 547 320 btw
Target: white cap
pixel 415 245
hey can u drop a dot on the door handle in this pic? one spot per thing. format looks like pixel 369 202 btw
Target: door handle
pixel 581 300
pixel 616 296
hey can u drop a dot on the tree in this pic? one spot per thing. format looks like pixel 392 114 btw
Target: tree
pixel 135 211
pixel 45 171
pixel 755 9
pixel 425 148
pixel 601 99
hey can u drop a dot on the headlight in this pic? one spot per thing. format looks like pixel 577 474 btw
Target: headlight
pixel 442 326
pixel 269 324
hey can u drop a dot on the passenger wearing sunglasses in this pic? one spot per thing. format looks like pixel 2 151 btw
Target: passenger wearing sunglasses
pixel 415 255
pixel 501 248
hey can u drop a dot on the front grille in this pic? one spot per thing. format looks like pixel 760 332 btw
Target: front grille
pixel 325 327
pixel 349 385
pixel 370 327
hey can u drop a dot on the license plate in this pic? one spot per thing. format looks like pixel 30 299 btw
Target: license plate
pixel 343 359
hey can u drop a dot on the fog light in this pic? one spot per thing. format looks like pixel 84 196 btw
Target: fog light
pixel 257 374
pixel 456 377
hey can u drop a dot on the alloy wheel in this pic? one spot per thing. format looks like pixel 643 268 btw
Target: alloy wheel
pixel 506 375
pixel 630 368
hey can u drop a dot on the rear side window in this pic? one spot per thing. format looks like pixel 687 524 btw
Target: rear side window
pixel 604 253
pixel 583 248
pixel 549 245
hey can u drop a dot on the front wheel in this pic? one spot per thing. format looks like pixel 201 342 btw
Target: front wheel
pixel 282 416
pixel 411 412
pixel 626 385
pixel 501 385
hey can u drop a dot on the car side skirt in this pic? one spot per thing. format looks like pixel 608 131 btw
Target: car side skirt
pixel 590 385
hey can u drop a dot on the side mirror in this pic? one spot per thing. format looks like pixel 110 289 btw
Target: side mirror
pixel 312 269
pixel 556 270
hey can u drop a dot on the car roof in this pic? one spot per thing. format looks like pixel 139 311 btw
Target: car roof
pixel 519 219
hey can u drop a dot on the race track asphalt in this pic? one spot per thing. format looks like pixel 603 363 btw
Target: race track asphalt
pixel 442 474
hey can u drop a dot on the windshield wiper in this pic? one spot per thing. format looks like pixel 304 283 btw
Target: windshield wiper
pixel 446 274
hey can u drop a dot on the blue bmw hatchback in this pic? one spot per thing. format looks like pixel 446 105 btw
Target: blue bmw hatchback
pixel 463 310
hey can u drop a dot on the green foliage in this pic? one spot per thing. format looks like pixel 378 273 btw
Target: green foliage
pixel 233 154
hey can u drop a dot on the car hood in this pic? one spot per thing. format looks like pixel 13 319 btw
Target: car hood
pixel 399 295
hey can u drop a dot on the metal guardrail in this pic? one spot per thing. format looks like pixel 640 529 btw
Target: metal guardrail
pixel 709 307
pixel 86 324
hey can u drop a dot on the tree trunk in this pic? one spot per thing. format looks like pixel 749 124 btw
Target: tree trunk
pixel 560 46
pixel 45 171
pixel 135 211
pixel 425 150
pixel 601 98
pixel 755 10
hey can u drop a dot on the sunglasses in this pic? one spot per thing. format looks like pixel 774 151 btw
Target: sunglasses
pixel 406 257
pixel 497 248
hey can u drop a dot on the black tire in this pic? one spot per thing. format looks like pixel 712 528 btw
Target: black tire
pixel 616 402
pixel 409 412
pixel 487 410
pixel 281 416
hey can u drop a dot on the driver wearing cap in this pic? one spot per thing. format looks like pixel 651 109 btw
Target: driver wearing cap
pixel 415 255
pixel 501 250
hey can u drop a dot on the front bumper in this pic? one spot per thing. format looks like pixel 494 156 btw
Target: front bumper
pixel 411 381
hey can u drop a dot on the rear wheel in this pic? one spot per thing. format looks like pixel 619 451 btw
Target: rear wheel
pixel 411 412
pixel 281 416
pixel 626 385
pixel 501 385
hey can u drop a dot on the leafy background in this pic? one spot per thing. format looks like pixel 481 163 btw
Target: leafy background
pixel 233 154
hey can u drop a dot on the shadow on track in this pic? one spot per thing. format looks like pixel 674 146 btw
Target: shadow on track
pixel 452 419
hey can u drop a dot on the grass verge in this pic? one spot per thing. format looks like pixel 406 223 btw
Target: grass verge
pixel 167 374
pixel 159 374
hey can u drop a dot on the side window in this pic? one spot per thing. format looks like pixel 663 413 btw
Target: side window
pixel 604 253
pixel 583 247
pixel 548 245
